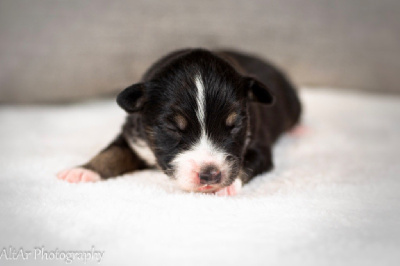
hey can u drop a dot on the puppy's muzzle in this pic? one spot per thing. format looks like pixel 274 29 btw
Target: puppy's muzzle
pixel 210 175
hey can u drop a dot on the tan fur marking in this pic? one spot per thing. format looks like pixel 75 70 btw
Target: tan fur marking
pixel 181 122
pixel 231 119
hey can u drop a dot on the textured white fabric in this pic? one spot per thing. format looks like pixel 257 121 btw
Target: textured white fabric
pixel 332 199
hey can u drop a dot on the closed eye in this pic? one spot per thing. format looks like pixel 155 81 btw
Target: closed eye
pixel 171 128
pixel 235 123
pixel 235 130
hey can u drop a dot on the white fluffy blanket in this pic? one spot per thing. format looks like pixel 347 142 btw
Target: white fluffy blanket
pixel 332 199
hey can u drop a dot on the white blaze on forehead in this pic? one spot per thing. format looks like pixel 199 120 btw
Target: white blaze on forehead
pixel 201 103
pixel 203 152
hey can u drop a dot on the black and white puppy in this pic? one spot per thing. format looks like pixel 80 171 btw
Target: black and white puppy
pixel 208 119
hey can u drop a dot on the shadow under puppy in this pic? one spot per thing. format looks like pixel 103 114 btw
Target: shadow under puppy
pixel 208 119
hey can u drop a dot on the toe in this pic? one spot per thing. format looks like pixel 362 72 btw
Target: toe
pixel 231 190
pixel 90 176
pixel 74 176
pixel 222 192
pixel 62 174
pixel 77 175
pixel 299 131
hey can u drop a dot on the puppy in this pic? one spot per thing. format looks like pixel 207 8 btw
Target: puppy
pixel 208 119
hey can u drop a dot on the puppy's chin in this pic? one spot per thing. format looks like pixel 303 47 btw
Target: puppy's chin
pixel 191 183
pixel 203 188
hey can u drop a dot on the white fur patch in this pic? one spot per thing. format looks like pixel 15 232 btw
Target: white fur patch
pixel 238 185
pixel 143 151
pixel 201 103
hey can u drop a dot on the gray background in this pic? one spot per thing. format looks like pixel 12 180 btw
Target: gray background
pixel 54 51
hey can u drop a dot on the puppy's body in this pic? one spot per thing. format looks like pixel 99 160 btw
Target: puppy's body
pixel 207 119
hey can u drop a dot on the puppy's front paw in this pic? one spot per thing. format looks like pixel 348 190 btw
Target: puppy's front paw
pixel 299 131
pixel 231 190
pixel 77 175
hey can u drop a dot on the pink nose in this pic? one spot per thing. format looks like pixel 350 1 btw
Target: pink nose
pixel 210 175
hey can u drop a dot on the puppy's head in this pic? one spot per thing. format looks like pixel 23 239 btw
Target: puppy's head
pixel 195 116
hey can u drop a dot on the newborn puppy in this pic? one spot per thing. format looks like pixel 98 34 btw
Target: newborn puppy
pixel 208 119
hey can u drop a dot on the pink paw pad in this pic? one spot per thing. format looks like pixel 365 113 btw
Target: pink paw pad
pixel 77 175
pixel 231 190
pixel 299 131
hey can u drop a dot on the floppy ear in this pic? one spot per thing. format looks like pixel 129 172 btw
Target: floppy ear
pixel 132 98
pixel 258 92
